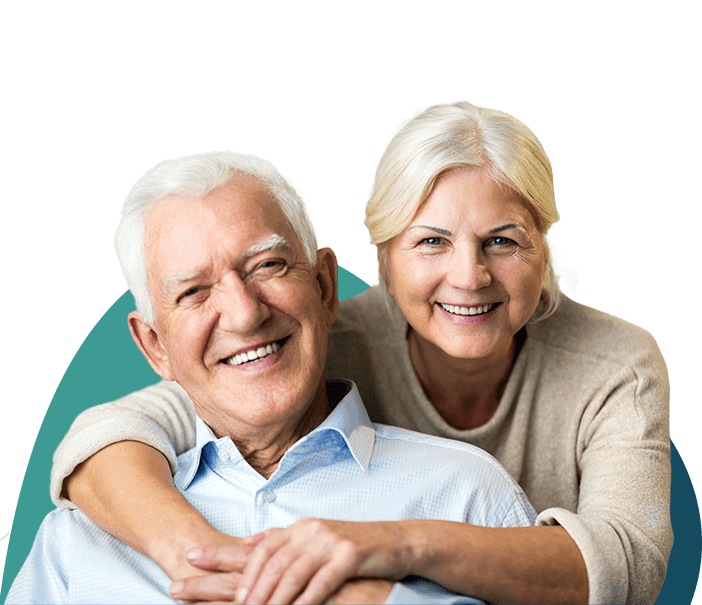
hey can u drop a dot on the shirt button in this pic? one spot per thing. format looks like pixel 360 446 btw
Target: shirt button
pixel 268 496
pixel 223 455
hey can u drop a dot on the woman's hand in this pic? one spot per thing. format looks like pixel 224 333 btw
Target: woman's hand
pixel 174 557
pixel 306 563
pixel 220 566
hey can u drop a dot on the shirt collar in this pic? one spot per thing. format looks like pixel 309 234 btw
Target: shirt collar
pixel 348 418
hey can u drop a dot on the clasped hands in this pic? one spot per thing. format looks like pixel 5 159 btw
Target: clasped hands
pixel 312 561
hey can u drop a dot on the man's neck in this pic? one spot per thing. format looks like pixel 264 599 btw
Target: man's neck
pixel 264 447
pixel 264 457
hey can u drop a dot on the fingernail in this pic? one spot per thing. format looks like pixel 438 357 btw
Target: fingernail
pixel 175 588
pixel 241 595
pixel 195 553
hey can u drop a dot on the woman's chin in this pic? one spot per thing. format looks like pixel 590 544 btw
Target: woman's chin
pixel 475 348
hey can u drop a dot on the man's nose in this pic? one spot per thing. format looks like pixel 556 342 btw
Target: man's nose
pixel 239 304
pixel 468 269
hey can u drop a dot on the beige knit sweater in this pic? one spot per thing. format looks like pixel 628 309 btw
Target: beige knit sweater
pixel 582 425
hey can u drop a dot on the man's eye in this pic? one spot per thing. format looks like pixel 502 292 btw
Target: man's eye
pixel 190 292
pixel 269 267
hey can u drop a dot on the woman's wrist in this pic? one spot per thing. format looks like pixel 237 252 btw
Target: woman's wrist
pixel 170 547
pixel 417 545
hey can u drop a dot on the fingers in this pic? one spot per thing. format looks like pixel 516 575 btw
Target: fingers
pixel 220 557
pixel 293 575
pixel 267 544
pixel 306 562
pixel 281 567
pixel 220 587
pixel 323 584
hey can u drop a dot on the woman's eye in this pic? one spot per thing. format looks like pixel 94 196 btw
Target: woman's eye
pixel 431 241
pixel 500 241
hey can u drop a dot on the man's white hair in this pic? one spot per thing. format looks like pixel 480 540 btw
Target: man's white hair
pixel 194 177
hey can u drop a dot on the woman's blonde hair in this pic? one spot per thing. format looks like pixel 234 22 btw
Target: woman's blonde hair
pixel 449 136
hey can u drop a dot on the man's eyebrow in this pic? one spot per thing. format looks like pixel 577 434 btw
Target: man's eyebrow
pixel 179 278
pixel 508 226
pixel 438 230
pixel 274 241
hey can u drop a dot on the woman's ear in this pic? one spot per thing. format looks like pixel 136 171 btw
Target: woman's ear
pixel 149 343
pixel 383 267
pixel 328 283
pixel 388 289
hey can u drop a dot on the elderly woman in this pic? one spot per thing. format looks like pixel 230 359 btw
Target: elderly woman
pixel 466 337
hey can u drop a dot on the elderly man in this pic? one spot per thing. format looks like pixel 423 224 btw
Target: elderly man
pixel 234 302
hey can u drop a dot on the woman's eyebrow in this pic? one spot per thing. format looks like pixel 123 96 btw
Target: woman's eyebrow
pixel 438 230
pixel 508 226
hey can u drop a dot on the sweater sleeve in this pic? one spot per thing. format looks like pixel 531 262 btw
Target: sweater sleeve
pixel 161 416
pixel 622 525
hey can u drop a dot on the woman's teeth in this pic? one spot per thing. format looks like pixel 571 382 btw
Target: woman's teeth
pixel 467 310
pixel 252 355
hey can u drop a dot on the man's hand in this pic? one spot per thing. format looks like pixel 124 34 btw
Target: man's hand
pixel 305 563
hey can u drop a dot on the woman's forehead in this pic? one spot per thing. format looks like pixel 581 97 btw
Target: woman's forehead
pixel 471 196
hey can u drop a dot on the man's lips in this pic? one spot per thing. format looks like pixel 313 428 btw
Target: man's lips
pixel 468 310
pixel 255 353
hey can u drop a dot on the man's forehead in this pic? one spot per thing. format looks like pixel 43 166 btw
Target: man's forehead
pixel 182 233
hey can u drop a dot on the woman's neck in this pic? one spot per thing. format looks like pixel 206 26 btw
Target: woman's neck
pixel 465 392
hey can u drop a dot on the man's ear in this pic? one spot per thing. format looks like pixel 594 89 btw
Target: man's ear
pixel 150 345
pixel 328 283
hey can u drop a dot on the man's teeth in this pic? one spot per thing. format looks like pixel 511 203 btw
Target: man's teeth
pixel 252 355
pixel 467 310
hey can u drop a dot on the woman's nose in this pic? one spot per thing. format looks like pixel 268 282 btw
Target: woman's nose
pixel 469 270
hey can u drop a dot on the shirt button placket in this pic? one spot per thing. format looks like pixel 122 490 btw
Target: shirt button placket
pixel 269 496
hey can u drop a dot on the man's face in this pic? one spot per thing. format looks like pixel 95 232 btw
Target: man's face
pixel 229 281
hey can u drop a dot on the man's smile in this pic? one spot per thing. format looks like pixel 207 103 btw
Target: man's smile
pixel 255 353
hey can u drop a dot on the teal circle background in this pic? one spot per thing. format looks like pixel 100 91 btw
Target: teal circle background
pixel 91 379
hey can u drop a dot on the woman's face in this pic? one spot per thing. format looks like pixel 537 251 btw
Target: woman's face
pixel 467 272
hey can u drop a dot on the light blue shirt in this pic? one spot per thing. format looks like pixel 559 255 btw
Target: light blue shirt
pixel 347 469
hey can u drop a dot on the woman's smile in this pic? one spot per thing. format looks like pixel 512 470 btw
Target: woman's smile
pixel 473 313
